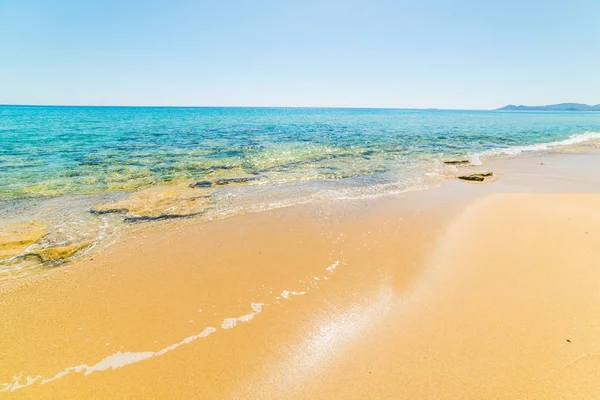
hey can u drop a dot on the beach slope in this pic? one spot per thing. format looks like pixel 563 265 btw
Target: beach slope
pixel 499 302
pixel 507 308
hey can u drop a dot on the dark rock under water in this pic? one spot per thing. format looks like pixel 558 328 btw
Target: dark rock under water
pixel 227 181
pixel 452 162
pixel 201 184
pixel 109 211
pixel 161 217
pixel 476 177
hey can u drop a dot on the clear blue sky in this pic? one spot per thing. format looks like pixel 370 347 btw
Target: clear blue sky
pixel 373 53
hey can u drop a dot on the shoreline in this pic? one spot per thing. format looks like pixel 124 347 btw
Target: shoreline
pixel 279 290
pixel 36 246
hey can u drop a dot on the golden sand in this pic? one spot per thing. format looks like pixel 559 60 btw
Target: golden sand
pixel 507 308
pixel 451 293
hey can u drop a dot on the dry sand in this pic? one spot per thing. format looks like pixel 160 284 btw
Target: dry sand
pixel 455 292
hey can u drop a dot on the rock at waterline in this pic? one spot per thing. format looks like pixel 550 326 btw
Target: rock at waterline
pixel 15 238
pixel 453 162
pixel 476 177
pixel 201 184
pixel 156 203
pixel 59 253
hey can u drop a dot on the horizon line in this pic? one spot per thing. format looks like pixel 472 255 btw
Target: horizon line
pixel 244 106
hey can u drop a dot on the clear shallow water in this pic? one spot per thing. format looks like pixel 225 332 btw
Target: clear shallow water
pixel 58 162
pixel 65 150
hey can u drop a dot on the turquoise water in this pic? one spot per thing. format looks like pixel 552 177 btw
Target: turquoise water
pixel 57 163
pixel 65 150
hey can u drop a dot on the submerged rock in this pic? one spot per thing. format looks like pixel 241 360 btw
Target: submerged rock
pixel 220 167
pixel 15 238
pixel 472 178
pixel 457 162
pixel 201 184
pixel 227 181
pixel 157 203
pixel 56 254
pixel 476 177
pixel 159 217
pixel 94 210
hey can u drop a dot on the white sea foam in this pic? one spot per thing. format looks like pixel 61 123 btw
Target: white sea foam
pixel 122 359
pixel 286 294
pixel 246 318
pixel 257 307
pixel 516 150
pixel 333 266
pixel 113 361
pixel 118 360
pixel 229 323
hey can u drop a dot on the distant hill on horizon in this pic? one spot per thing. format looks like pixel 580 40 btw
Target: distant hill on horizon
pixel 552 107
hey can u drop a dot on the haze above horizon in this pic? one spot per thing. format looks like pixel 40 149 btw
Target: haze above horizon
pixel 377 54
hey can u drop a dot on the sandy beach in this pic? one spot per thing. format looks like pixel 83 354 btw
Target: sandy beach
pixel 463 291
pixel 291 200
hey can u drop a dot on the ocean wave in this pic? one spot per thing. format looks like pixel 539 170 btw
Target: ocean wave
pixel 572 140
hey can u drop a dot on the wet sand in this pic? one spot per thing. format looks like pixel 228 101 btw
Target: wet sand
pixel 463 291
pixel 507 308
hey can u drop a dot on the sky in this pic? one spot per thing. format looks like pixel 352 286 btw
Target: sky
pixel 460 54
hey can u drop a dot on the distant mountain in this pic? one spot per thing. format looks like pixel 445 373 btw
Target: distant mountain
pixel 552 107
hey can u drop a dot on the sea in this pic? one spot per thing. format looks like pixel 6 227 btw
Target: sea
pixel 72 177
